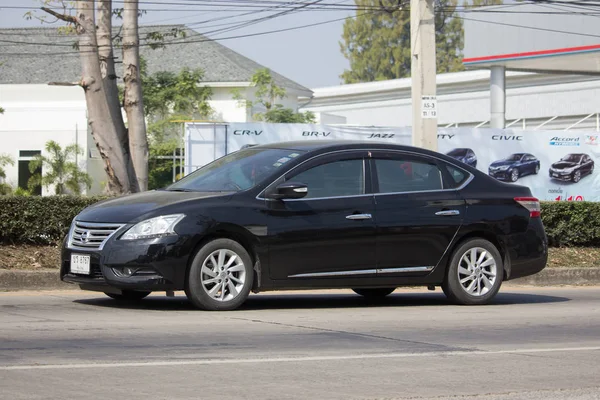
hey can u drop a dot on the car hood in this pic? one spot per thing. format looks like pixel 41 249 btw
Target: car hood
pixel 127 208
pixel 502 163
pixel 564 165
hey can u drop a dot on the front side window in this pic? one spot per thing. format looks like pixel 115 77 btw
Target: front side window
pixel 237 171
pixel 334 179
pixel 398 176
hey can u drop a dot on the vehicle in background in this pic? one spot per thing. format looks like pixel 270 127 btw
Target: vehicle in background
pixel 572 167
pixel 308 215
pixel 464 155
pixel 514 167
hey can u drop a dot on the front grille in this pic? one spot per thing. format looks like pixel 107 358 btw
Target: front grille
pixel 91 236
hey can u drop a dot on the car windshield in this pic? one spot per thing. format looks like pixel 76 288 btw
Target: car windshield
pixel 236 171
pixel 575 158
pixel 515 157
pixel 458 153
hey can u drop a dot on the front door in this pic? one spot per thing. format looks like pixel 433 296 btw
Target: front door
pixel 331 232
pixel 418 215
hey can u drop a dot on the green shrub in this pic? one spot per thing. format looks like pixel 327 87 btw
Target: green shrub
pixel 46 220
pixel 39 220
pixel 572 223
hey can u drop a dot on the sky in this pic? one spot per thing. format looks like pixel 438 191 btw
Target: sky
pixel 310 56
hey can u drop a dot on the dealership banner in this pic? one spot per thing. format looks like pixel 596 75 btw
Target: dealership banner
pixel 555 165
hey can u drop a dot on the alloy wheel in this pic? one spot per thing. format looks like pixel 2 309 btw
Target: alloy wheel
pixel 577 176
pixel 477 271
pixel 537 169
pixel 223 275
pixel 514 175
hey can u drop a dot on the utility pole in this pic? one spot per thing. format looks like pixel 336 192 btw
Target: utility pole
pixel 423 73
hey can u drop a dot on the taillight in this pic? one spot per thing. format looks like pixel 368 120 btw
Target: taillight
pixel 532 204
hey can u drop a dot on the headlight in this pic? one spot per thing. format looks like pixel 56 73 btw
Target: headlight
pixel 153 227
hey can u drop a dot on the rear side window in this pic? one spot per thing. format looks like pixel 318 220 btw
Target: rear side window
pixel 400 176
pixel 458 176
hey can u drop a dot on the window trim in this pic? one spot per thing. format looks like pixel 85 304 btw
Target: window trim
pixel 371 176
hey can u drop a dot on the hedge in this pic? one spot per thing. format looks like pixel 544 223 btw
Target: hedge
pixel 46 220
pixel 39 220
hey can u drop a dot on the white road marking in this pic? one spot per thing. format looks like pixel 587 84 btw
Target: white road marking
pixel 294 359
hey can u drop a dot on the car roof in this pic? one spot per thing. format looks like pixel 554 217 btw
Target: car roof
pixel 332 145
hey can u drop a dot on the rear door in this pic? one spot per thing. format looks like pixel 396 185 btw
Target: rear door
pixel 418 208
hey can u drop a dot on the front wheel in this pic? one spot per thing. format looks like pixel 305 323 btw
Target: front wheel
pixel 475 273
pixel 514 175
pixel 128 295
pixel 375 293
pixel 220 277
pixel 576 176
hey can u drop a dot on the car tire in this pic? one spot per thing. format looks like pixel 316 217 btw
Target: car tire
pixel 374 293
pixel 216 280
pixel 128 295
pixel 514 175
pixel 537 169
pixel 488 266
pixel 576 177
pixel 592 169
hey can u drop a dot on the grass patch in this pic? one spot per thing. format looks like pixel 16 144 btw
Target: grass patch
pixel 27 257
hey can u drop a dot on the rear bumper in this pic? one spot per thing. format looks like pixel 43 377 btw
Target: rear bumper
pixel 528 251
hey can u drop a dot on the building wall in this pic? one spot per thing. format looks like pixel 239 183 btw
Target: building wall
pixel 463 100
pixel 35 114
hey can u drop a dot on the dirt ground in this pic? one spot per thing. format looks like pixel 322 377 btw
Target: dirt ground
pixel 44 257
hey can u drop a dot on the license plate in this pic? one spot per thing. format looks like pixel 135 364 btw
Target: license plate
pixel 80 264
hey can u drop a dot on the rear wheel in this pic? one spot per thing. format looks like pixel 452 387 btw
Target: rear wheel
pixel 375 293
pixel 220 277
pixel 537 169
pixel 475 273
pixel 128 295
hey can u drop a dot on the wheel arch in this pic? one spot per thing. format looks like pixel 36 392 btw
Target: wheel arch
pixel 490 237
pixel 235 233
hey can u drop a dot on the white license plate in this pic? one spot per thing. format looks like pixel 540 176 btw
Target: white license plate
pixel 80 264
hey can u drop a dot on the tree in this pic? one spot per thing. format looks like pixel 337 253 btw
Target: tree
pixel 5 160
pixel 168 99
pixel 123 150
pixel 266 95
pixel 377 44
pixel 61 171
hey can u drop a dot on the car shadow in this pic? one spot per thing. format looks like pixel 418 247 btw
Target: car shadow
pixel 274 301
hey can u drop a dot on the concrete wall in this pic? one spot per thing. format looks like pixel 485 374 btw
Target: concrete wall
pixel 463 99
pixel 35 114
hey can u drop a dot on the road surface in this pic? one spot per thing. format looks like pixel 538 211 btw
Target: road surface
pixel 532 343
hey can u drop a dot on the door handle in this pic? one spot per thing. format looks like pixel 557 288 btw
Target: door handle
pixel 447 212
pixel 359 216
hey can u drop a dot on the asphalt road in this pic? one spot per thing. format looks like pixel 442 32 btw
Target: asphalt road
pixel 531 344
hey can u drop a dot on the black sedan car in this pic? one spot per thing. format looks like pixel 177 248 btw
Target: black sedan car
pixel 300 215
pixel 572 167
pixel 464 155
pixel 514 166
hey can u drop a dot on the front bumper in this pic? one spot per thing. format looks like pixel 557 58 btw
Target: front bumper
pixel 161 264
pixel 561 176
pixel 499 174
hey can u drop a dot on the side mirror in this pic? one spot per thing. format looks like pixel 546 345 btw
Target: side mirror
pixel 290 190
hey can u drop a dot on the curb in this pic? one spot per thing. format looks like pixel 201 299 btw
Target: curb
pixel 48 279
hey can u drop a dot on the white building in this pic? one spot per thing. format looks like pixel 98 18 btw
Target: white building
pixel 36 112
pixel 533 101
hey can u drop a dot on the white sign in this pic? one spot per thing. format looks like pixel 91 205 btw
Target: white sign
pixel 428 106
